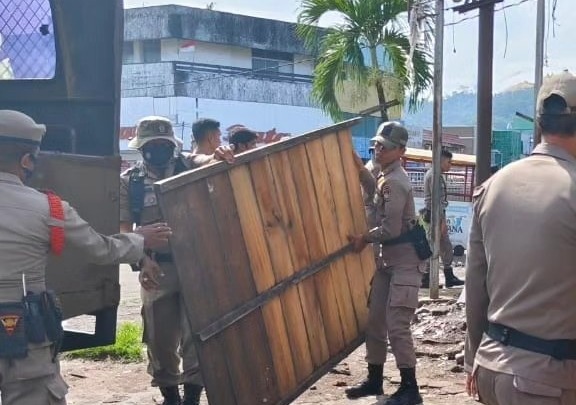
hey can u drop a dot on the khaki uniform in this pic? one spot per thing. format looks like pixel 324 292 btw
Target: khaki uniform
pixel 166 329
pixel 394 293
pixel 521 273
pixel 24 245
pixel 446 248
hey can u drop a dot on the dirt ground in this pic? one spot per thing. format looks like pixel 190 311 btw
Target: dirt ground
pixel 438 331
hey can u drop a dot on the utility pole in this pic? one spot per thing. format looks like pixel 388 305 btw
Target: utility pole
pixel 437 148
pixel 485 76
pixel 484 107
pixel 539 66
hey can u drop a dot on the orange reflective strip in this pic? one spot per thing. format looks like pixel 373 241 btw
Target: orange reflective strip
pixel 57 236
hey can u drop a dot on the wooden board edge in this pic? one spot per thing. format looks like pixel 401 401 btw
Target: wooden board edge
pixel 322 371
pixel 206 171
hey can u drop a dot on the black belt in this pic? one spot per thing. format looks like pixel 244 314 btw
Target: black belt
pixel 163 257
pixel 561 349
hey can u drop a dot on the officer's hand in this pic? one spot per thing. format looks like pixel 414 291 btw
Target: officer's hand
pixel 358 161
pixel 155 235
pixel 225 153
pixel 150 274
pixel 358 242
pixel 471 387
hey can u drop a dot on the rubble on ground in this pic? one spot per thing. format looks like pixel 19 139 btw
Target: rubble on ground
pixel 439 329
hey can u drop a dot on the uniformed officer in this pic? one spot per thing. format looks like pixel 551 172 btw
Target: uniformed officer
pixel 165 328
pixel 394 294
pixel 446 248
pixel 521 275
pixel 32 224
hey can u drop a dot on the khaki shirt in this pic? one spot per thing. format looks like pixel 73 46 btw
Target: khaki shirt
pixel 428 179
pixel 151 211
pixel 394 207
pixel 368 181
pixel 521 269
pixel 25 239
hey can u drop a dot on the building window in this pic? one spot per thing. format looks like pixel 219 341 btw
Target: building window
pixel 128 52
pixel 272 62
pixel 151 51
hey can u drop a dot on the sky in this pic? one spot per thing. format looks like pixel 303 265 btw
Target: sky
pixel 514 37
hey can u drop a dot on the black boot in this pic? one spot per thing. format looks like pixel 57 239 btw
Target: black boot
pixel 408 393
pixel 425 280
pixel 371 385
pixel 192 394
pixel 451 279
pixel 171 395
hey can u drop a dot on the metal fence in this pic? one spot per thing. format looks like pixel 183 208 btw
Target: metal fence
pixel 27 44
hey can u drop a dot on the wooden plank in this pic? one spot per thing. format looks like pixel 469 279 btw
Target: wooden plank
pixel 352 262
pixel 200 309
pixel 264 279
pixel 271 212
pixel 358 216
pixel 210 254
pixel 323 282
pixel 298 246
pixel 200 173
pixel 250 332
pixel 328 218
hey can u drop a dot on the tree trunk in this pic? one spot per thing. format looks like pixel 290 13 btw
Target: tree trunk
pixel 379 86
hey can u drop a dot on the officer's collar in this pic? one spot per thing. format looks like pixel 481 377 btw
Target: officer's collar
pixel 391 167
pixel 10 178
pixel 554 151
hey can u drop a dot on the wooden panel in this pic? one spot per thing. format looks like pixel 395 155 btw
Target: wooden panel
pixel 358 216
pixel 324 283
pixel 273 293
pixel 261 266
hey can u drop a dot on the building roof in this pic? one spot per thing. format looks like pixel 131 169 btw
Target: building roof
pixel 212 26
pixel 425 155
pixel 447 138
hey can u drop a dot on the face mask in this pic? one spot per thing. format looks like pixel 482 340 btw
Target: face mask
pixel 158 155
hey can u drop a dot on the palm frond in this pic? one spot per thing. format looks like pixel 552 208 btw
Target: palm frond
pixel 342 60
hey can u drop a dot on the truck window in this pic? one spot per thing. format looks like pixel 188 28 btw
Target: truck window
pixel 27 45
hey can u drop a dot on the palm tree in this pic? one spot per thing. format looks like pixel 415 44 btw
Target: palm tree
pixel 398 52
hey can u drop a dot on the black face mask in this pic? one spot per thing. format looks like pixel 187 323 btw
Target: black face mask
pixel 158 155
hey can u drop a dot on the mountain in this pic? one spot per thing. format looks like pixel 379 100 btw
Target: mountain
pixel 459 109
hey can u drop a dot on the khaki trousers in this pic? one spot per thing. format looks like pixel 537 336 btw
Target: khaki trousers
pixel 34 380
pixel 446 248
pixel 505 389
pixel 392 303
pixel 167 334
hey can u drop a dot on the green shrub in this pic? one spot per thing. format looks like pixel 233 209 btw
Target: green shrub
pixel 128 347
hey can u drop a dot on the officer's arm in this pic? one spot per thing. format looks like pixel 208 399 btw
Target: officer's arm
pixel 428 189
pixel 97 248
pixel 476 292
pixel 126 222
pixel 368 183
pixel 393 197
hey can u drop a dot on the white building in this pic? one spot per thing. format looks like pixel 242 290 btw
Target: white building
pixel 186 63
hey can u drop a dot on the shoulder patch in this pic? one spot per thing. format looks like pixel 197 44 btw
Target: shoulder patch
pixel 478 191
pixel 386 192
